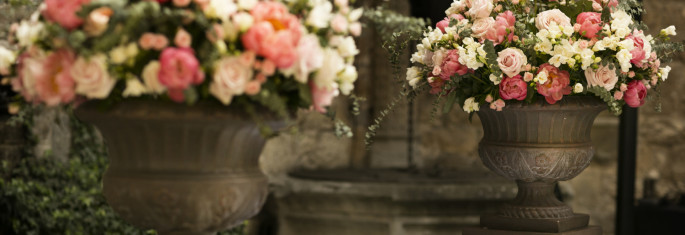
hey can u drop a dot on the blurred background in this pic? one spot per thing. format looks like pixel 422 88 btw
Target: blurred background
pixel 422 175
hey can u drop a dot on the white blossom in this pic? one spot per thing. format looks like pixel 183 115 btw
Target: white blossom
pixel 470 105
pixel 664 72
pixel 578 88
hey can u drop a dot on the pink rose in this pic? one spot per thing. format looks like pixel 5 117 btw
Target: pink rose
pixel 450 65
pixel 511 61
pixel 183 39
pixel 481 27
pixel 91 77
pixel 446 22
pixel 497 105
pixel 590 24
pixel 322 96
pixel 603 77
pixel 513 88
pixel 498 33
pixel 54 84
pixel 527 77
pixel 63 12
pixel 274 34
pixel 253 87
pixel 356 29
pixel 480 8
pixel 230 79
pixel 178 70
pixel 635 94
pixel 557 84
pixel 339 23
pixel 181 3
pixel 215 33
pixel 618 95
pixel 545 19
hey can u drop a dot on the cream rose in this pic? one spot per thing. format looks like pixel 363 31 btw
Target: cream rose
pixel 603 77
pixel 230 79
pixel 480 8
pixel 91 77
pixel 151 78
pixel 545 19
pixel 481 26
pixel 97 21
pixel 512 61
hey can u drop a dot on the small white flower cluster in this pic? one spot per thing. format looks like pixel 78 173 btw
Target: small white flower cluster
pixel 470 105
pixel 473 56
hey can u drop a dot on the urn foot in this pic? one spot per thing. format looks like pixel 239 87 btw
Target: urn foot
pixel 591 230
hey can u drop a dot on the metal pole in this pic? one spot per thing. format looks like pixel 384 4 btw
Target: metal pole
pixel 627 155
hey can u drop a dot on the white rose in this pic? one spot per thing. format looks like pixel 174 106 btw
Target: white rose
pixel 355 15
pixel 347 79
pixel 28 32
pixel 7 58
pixel 481 8
pixel 247 4
pixel 320 15
pixel 230 78
pixel 91 77
pixel 457 7
pixel 624 57
pixel 664 72
pixel 332 64
pixel 134 88
pixel 220 9
pixel 670 31
pixel 345 45
pixel 470 105
pixel 545 19
pixel 511 61
pixel 413 76
pixel 243 21
pixel 603 77
pixel 481 26
pixel 151 78
pixel 578 88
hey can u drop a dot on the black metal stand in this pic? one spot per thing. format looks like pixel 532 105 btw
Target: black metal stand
pixel 625 199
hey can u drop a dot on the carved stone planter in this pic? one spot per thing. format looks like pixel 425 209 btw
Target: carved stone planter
pixel 180 169
pixel 537 145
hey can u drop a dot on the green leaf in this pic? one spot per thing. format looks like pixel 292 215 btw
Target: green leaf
pixel 449 104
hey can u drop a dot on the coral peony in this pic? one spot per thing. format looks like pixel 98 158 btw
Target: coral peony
pixel 590 24
pixel 451 66
pixel 275 33
pixel 557 84
pixel 54 83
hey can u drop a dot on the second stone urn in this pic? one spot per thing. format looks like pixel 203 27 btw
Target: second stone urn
pixel 180 169
pixel 537 145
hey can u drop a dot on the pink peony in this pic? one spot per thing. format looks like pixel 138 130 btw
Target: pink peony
pixel 512 61
pixel 513 88
pixel 54 84
pixel 557 84
pixel 498 33
pixel 178 70
pixel 602 77
pixel 639 53
pixel 322 96
pixel 546 18
pixel 590 24
pixel 436 84
pixel 275 33
pixel 450 65
pixel 63 12
pixel 635 94
pixel 446 22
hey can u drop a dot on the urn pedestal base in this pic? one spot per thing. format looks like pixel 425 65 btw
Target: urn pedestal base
pixel 576 221
pixel 590 230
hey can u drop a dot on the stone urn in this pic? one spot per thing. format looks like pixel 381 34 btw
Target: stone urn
pixel 180 169
pixel 537 145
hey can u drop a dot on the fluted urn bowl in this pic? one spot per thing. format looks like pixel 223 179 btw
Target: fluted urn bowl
pixel 180 169
pixel 537 145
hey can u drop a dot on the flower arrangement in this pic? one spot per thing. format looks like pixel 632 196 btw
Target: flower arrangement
pixel 498 51
pixel 282 54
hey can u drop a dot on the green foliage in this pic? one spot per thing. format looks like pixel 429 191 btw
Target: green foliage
pixel 615 106
pixel 48 196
